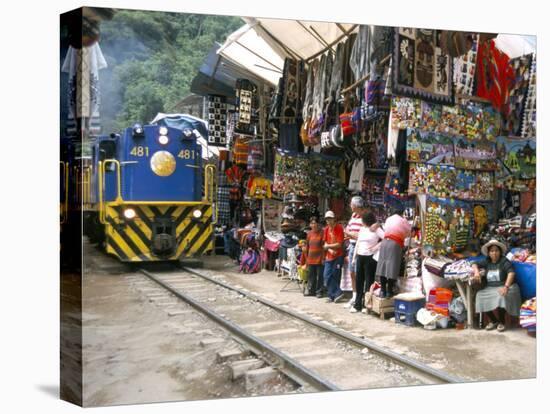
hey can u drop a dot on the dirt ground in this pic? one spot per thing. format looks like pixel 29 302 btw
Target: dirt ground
pixel 133 352
pixel 471 354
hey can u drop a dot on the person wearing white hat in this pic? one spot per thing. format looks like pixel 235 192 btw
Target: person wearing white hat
pixel 333 236
pixel 500 293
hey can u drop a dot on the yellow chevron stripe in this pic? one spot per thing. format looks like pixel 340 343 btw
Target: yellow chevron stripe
pixel 145 250
pixel 122 244
pixel 187 238
pixel 200 241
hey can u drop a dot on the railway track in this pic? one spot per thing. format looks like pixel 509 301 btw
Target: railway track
pixel 314 354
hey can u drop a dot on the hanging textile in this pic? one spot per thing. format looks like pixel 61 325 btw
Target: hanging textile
pixel 420 69
pixel 436 180
pixel 474 185
pixel 475 154
pixel 217 120
pixel 447 226
pixel 465 69
pixel 518 155
pixel 373 188
pixel 240 150
pixel 83 66
pixel 356 176
pixel 493 75
pixel 519 88
pixel 381 41
pixel 291 90
pixel 529 124
pixel 246 102
pixel 255 159
pixel 224 209
pixel 360 53
pixel 429 147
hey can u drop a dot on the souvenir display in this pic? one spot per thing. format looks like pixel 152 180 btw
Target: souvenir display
pixel 474 185
pixel 465 69
pixel 518 94
pixel 246 99
pixel 291 174
pixel 373 188
pixel 255 159
pixel 217 120
pixel 528 315
pixel 240 150
pixel 437 180
pixel 448 225
pixel 429 147
pixel 528 127
pixel 420 69
pixel 474 121
pixel 518 156
pixel 405 112
pixel 291 90
pixel 474 154
pixel 305 174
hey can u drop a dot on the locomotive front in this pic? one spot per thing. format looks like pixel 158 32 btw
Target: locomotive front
pixel 150 194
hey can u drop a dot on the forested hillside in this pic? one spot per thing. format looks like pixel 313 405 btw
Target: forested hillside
pixel 152 58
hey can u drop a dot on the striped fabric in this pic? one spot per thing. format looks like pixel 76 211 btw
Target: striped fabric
pixel 255 160
pixel 354 225
pixel 240 151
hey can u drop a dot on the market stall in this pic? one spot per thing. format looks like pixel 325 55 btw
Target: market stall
pixel 438 123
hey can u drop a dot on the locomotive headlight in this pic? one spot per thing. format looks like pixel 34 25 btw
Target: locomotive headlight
pixel 129 213
pixel 163 140
pixel 197 213
pixel 163 130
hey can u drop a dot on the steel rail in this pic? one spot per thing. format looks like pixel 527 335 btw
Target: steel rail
pixel 423 369
pixel 289 366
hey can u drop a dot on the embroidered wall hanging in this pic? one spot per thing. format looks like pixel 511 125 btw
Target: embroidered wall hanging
pixel 465 69
pixel 420 69
pixel 291 90
pixel 405 112
pixel 474 154
pixel 474 185
pixel 373 188
pixel 529 124
pixel 437 180
pixel 217 120
pixel 506 180
pixel 246 100
pixel 429 147
pixel 518 155
pixel 447 225
pixel 519 88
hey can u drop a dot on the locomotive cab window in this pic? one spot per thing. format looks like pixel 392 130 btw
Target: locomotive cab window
pixel 107 151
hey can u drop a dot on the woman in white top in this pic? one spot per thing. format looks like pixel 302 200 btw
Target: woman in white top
pixel 368 242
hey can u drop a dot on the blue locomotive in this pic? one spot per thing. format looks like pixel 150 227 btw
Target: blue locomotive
pixel 147 196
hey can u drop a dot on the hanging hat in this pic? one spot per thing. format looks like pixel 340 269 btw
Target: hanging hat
pixel 493 242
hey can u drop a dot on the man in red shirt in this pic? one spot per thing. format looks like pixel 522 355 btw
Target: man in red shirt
pixel 333 236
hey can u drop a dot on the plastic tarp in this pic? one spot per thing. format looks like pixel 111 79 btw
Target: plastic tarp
pixel 183 121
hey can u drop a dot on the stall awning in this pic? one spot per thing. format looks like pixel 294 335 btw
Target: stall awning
pixel 246 48
pixel 299 38
pixel 516 45
pixel 218 75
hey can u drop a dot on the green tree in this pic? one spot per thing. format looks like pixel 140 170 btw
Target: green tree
pixel 152 58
